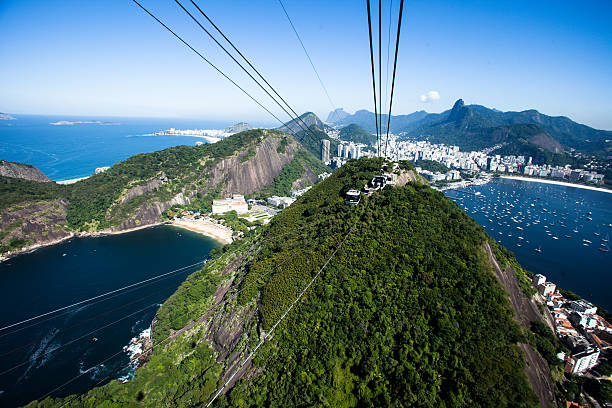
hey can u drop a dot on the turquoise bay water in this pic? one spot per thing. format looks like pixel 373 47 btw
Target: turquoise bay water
pixel 49 354
pixel 554 219
pixel 71 151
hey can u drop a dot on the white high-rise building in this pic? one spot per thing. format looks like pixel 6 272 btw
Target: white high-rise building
pixel 358 151
pixel 325 147
pixel 583 361
pixel 353 150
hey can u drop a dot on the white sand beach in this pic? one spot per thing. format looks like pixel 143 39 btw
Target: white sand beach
pixel 215 231
pixel 559 183
pixel 72 181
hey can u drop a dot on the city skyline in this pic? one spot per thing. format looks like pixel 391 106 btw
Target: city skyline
pixel 111 59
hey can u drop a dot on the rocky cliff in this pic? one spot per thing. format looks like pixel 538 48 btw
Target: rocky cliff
pixel 246 172
pixel 33 224
pixel 22 171
pixel 136 192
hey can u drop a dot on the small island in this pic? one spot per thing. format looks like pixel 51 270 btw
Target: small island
pixel 6 116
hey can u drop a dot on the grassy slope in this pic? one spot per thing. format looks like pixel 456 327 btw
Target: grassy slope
pixel 408 312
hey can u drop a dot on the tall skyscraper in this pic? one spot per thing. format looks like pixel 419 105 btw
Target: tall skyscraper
pixel 325 146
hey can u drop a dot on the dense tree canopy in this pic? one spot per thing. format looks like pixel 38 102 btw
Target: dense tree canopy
pixel 407 313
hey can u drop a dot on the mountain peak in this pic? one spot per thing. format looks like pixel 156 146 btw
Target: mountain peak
pixel 459 112
pixel 307 120
pixel 238 127
pixel 336 115
pixel 458 105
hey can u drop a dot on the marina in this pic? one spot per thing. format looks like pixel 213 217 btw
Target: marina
pixel 559 231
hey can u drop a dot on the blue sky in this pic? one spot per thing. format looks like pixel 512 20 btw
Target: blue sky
pixel 109 58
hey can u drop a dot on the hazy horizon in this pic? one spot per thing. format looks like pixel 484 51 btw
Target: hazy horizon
pixel 111 59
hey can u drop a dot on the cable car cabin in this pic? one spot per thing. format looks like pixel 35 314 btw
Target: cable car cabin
pixel 353 197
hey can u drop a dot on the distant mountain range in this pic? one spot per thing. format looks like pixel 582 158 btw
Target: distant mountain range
pixel 474 127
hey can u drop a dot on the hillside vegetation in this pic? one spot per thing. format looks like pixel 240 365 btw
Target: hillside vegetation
pixel 476 127
pixel 138 190
pixel 357 134
pixel 406 313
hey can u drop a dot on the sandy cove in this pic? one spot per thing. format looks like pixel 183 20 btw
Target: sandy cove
pixel 558 183
pixel 215 231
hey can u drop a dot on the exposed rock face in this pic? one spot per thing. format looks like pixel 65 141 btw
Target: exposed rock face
pixel 149 213
pixel 40 223
pixel 408 177
pixel 236 175
pixel 255 173
pixel 527 311
pixel 546 142
pixel 337 115
pixel 22 171
pixel 144 189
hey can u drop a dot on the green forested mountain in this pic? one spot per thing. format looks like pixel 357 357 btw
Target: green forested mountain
pixel 405 311
pixel 357 134
pixel 476 127
pixel 138 190
pixel 431 165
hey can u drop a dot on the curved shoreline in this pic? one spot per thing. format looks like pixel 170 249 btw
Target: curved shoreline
pixel 558 183
pixel 217 232
pixel 73 234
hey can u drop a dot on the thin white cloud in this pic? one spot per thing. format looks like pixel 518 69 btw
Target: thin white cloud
pixel 430 96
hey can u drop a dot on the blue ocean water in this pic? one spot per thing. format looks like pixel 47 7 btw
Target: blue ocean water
pixel 553 230
pixel 70 151
pixel 45 354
